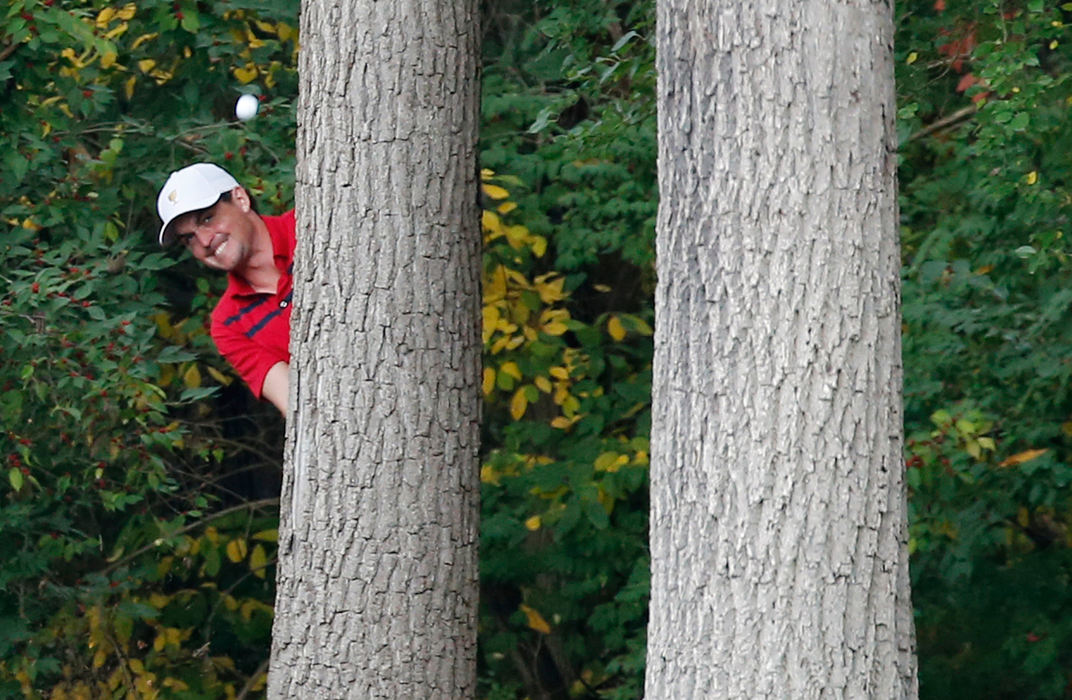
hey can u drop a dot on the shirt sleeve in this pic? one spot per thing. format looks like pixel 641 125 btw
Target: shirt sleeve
pixel 250 360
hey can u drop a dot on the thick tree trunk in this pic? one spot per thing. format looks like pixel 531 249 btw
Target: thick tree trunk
pixel 377 586
pixel 778 528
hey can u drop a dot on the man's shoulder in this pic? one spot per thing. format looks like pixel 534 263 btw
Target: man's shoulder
pixel 284 222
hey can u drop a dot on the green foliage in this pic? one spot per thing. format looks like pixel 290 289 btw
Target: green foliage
pixel 138 560
pixel 985 198
pixel 113 466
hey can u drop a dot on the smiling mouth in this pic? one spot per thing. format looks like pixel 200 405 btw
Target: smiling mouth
pixel 219 249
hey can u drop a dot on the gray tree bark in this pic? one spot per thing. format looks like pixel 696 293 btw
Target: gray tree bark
pixel 377 580
pixel 778 525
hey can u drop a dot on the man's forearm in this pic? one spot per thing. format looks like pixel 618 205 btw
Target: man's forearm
pixel 276 386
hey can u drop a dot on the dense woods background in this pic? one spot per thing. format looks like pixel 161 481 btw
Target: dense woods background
pixel 139 504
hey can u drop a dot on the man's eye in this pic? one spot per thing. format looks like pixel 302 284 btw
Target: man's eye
pixel 184 238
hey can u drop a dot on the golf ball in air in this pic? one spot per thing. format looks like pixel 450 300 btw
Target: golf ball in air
pixel 246 107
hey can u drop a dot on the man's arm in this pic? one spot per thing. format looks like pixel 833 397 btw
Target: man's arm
pixel 276 387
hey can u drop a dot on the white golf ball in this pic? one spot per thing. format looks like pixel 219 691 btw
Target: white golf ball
pixel 246 107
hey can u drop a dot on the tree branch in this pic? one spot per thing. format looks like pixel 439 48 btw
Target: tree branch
pixel 954 118
pixel 248 687
pixel 8 50
pixel 193 526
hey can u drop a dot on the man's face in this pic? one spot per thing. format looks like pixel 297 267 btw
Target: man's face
pixel 221 236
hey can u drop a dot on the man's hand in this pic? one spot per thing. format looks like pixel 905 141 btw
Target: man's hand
pixel 276 386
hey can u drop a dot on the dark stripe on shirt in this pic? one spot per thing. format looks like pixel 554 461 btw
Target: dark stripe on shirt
pixel 267 317
pixel 243 311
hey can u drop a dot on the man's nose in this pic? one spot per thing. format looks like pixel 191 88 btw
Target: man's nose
pixel 203 235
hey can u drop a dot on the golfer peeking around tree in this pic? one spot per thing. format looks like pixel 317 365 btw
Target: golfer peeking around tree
pixel 205 209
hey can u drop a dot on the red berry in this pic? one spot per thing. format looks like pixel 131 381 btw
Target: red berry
pixel 87 93
pixel 35 287
pixel 27 16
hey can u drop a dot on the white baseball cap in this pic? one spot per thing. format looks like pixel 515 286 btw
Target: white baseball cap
pixel 196 186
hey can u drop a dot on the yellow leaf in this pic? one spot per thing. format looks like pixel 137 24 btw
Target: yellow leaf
pixel 488 475
pixel 245 74
pixel 105 16
pixel 107 60
pixel 258 560
pixel 236 550
pixel 606 459
pixel 562 422
pixel 518 404
pixel 117 31
pixel 533 523
pixel 538 245
pixel 1021 457
pixel 535 620
pixel 615 328
pixel 559 373
pixel 160 642
pixel 485 173
pixel 987 443
pixel 146 64
pixel 511 369
pixel 492 224
pixel 127 12
pixel 1023 517
pixel 912 58
pixel 99 658
pixel 270 535
pixel 192 377
pixel 175 684
pixel 284 31
pixel 1032 177
pixel 555 328
pixel 517 236
pixel 128 87
pixel 494 191
pixel 219 376
pixel 550 288
pixel 489 381
pixel 506 207
pixel 543 384
pixel 144 38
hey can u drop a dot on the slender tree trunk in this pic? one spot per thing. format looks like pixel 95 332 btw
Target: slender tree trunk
pixel 377 585
pixel 778 528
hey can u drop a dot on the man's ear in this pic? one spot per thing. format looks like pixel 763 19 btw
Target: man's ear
pixel 240 197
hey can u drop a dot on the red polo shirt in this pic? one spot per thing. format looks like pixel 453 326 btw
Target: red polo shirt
pixel 252 330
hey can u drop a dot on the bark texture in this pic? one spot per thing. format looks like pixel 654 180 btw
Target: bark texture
pixel 377 583
pixel 778 528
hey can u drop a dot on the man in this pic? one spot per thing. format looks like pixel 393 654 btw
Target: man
pixel 205 209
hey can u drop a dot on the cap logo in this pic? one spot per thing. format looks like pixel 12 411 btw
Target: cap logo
pixel 173 196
